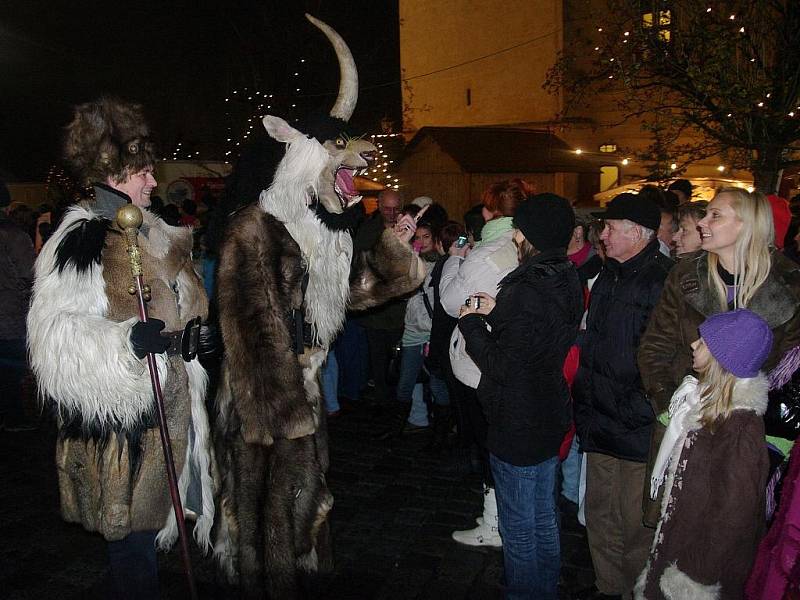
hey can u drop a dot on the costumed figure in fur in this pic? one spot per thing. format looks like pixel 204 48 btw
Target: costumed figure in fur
pixel 87 347
pixel 289 268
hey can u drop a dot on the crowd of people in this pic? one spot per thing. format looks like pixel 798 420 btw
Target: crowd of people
pixel 638 366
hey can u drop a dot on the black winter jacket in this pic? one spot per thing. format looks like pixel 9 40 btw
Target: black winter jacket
pixel 612 413
pixel 442 325
pixel 522 388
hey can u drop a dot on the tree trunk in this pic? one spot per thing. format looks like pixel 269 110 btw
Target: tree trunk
pixel 767 171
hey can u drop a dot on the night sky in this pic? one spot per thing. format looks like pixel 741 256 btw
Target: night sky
pixel 181 60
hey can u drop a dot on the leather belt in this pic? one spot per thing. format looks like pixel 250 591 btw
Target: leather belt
pixel 184 343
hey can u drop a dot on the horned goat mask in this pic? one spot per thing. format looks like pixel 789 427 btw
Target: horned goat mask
pixel 344 157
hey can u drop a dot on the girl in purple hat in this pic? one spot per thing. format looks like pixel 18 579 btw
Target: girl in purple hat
pixel 713 465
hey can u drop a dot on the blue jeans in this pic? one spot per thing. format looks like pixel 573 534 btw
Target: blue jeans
pixel 330 383
pixel 526 509
pixel 13 367
pixel 571 472
pixel 352 356
pixel 408 390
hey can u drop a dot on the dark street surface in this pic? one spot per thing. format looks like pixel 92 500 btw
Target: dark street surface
pixel 394 510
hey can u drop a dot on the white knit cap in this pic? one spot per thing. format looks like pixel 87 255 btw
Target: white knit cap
pixel 422 201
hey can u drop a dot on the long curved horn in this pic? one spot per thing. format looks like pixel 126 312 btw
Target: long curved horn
pixel 348 76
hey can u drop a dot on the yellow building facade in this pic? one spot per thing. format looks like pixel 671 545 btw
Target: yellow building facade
pixel 470 63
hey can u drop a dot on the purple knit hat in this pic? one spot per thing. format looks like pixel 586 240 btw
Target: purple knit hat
pixel 739 339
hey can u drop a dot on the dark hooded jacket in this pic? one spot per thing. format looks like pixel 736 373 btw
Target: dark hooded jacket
pixel 612 414
pixel 522 387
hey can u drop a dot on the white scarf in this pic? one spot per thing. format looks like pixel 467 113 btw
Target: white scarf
pixel 685 398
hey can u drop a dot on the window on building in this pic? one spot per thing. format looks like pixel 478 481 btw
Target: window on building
pixel 660 22
pixel 609 176
pixel 608 148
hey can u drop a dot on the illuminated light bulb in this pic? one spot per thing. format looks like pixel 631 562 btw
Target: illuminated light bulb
pixel 611 77
pixel 760 104
pixel 611 59
pixel 673 166
pixel 708 10
pixel 741 30
pixel 730 114
pixel 597 48
pixel 578 151
pixel 791 114
pixel 600 29
pixel 627 33
pixel 721 168
pixel 768 95
pixel 732 17
pixel 625 161
pixel 296 74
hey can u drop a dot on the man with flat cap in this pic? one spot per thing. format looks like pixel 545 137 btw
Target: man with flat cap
pixel 612 414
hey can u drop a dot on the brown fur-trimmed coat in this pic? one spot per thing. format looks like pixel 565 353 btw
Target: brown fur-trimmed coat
pixel 271 433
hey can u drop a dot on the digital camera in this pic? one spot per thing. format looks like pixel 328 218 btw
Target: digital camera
pixel 469 301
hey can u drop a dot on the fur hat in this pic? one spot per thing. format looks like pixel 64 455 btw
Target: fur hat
pixel 108 138
pixel 739 339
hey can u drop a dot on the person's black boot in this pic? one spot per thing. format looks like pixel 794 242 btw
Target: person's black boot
pixel 441 429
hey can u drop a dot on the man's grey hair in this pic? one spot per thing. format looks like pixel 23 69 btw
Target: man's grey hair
pixel 645 233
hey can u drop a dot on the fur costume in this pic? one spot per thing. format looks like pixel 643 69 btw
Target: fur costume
pixel 111 472
pixel 280 256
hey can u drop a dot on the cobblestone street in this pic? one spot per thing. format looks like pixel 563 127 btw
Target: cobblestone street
pixel 394 511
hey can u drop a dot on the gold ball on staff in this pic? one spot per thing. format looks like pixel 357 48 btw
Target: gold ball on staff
pixel 129 216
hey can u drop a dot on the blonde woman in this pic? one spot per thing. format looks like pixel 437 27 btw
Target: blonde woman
pixel 713 466
pixel 740 268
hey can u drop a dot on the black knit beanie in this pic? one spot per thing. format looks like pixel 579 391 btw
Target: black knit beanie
pixel 546 220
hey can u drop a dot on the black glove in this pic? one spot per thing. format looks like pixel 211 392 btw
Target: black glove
pixel 146 338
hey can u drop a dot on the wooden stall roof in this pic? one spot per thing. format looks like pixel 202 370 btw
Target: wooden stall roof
pixel 506 150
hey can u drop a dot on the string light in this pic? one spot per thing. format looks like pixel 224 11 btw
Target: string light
pixel 625 161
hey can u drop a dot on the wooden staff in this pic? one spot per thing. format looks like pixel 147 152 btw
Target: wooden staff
pixel 129 219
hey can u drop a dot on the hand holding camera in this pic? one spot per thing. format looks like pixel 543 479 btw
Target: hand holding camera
pixel 460 247
pixel 480 303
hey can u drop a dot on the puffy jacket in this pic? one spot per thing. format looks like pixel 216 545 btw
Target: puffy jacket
pixel 522 388
pixel 612 413
pixel 480 271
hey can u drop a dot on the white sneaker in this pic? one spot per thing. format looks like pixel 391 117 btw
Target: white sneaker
pixel 482 535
